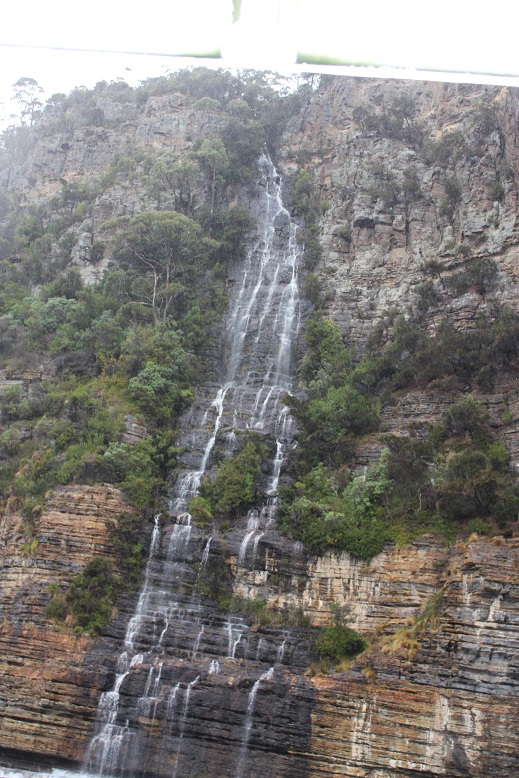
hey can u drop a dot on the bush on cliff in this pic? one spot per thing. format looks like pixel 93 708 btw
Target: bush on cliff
pixel 88 600
pixel 232 490
pixel 333 413
pixel 323 516
pixel 339 642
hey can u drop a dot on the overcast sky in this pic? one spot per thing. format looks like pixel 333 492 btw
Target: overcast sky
pixel 442 35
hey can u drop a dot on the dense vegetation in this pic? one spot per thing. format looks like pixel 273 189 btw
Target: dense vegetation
pixel 136 341
pixel 233 488
pixel 448 477
pixel 126 350
pixel 119 348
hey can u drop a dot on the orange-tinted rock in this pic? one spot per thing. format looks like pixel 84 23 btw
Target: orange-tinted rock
pixel 50 678
pixel 451 709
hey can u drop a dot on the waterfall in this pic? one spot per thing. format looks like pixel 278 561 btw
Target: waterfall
pixel 205 555
pixel 197 641
pixel 252 526
pixel 170 624
pixel 105 748
pixel 281 651
pixel 235 629
pixel 183 719
pixel 248 719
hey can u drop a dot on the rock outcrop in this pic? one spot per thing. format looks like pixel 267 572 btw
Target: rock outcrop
pixel 378 228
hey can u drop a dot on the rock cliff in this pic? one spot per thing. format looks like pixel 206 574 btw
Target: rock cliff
pixel 50 677
pixel 384 195
pixel 440 705
pixel 436 692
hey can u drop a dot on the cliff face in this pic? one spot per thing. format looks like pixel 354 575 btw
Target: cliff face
pixel 440 700
pixel 387 217
pixel 427 702
pixel 436 692
pixel 364 172
pixel 443 705
pixel 50 677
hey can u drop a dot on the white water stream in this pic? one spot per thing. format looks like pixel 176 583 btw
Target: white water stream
pixel 248 719
pixel 262 326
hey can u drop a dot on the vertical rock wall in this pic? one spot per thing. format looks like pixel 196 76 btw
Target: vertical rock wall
pixel 50 677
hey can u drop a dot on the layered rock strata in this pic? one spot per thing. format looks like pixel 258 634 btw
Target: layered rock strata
pixel 447 705
pixel 50 677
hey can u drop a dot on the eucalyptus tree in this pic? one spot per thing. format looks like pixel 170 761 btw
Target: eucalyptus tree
pixel 167 253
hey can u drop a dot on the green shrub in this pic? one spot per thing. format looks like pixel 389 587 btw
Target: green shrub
pixel 208 104
pixel 129 548
pixel 313 251
pixel 428 296
pixel 326 359
pixel 338 642
pixel 344 233
pixel 200 509
pixel 397 120
pixel 341 411
pixel 486 119
pixel 10 440
pixel 232 490
pixel 467 417
pixel 480 272
pixel 453 194
pixel 244 141
pixel 88 599
pixel 155 390
pixel 479 527
pixel 14 404
pixel 323 517
pixel 447 150
pixel 334 411
pixel 312 289
pixel 497 191
pixel 57 609
pixel 304 196
pixel 412 188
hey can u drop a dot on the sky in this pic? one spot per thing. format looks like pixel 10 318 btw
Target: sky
pixel 38 38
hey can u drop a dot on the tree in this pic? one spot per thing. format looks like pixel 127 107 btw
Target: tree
pixel 244 141
pixel 169 251
pixel 25 92
pixel 179 177
pixel 214 162
pixel 185 176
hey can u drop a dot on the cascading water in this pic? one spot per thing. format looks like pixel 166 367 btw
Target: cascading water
pixel 248 719
pixel 171 625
